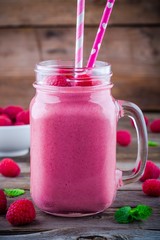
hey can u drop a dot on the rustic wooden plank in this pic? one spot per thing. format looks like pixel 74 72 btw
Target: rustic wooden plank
pixel 19 182
pixel 133 53
pixel 23 181
pixel 126 197
pixel 129 154
pixel 18 53
pixel 138 89
pixel 54 12
pixel 135 49
pixel 17 90
pixel 89 233
pixel 46 222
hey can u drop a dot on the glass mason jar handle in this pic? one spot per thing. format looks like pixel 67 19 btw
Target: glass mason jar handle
pixel 132 111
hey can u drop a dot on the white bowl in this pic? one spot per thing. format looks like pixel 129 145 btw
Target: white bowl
pixel 14 140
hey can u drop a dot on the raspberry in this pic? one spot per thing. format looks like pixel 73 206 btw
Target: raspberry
pixel 123 137
pixel 83 80
pixel 152 171
pixel 23 117
pixel 151 187
pixel 9 168
pixel 3 202
pixel 58 80
pixel 21 212
pixel 5 121
pixel 155 126
pixel 1 110
pixel 18 123
pixel 146 120
pixel 12 111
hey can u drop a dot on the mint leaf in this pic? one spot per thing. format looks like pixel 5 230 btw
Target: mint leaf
pixel 153 144
pixel 122 215
pixel 127 214
pixel 141 212
pixel 13 192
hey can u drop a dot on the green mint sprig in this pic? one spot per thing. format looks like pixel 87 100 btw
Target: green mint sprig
pixel 153 144
pixel 13 192
pixel 122 215
pixel 141 212
pixel 127 214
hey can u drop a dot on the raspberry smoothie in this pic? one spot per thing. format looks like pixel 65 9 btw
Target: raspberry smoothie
pixel 72 157
pixel 73 139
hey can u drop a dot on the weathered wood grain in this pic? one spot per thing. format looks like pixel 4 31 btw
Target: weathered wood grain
pixel 18 55
pixel 54 12
pixel 133 50
pixel 23 181
pixel 18 52
pixel 134 54
pixel 90 234
pixel 16 90
pixel 46 222
pixel 126 197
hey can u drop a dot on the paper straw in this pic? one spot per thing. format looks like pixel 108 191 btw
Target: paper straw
pixel 100 33
pixel 79 33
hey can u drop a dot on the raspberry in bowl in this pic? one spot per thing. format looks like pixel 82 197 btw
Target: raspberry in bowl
pixel 14 131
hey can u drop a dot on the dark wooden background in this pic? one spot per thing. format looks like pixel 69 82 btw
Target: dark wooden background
pixel 35 30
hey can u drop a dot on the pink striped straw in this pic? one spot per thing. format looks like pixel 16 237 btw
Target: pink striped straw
pixel 100 33
pixel 79 33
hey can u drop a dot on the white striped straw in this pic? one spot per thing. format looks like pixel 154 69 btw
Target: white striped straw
pixel 79 33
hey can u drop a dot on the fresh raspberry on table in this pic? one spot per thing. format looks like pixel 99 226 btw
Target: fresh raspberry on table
pixel 23 116
pixel 21 212
pixel 9 168
pixel 155 126
pixel 5 121
pixel 152 171
pixel 151 187
pixel 12 111
pixel 3 202
pixel 146 120
pixel 123 137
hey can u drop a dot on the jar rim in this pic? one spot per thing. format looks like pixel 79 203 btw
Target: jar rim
pixel 48 73
pixel 73 89
pixel 50 66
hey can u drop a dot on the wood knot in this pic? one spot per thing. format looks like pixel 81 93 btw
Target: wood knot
pixel 92 238
pixel 110 237
pixel 53 33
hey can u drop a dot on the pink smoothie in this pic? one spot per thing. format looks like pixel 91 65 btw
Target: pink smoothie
pixel 73 152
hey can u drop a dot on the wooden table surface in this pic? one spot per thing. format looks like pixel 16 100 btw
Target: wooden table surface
pixel 98 227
